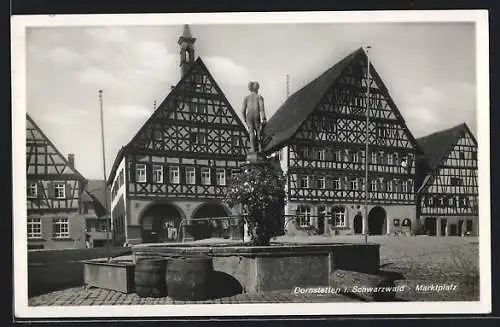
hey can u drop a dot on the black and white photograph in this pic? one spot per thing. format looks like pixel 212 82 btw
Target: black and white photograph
pixel 284 163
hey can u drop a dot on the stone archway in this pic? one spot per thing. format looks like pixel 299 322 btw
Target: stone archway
pixel 160 223
pixel 358 224
pixel 377 221
pixel 202 229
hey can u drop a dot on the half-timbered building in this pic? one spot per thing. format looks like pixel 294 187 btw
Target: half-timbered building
pixel 95 208
pixel 53 194
pixel 178 165
pixel 447 182
pixel 319 133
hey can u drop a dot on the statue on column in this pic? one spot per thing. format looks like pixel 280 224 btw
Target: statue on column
pixel 254 116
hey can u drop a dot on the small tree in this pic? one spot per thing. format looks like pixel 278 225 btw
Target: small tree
pixel 260 190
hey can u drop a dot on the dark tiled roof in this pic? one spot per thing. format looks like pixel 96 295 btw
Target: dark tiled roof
pixel 295 110
pixel 437 145
pixel 95 192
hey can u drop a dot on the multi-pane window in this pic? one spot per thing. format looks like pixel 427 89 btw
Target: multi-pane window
pixel 304 216
pixel 353 183
pixel 235 140
pixel 430 201
pixel 304 181
pixel 34 228
pixel 404 187
pixel 174 174
pixel 336 183
pixel 396 184
pixel 390 159
pixel 389 186
pixel 205 176
pixel 355 156
pixel 60 190
pixel 395 157
pixel 451 201
pixel 338 214
pixel 32 190
pixel 441 201
pixel 140 173
pixel 198 138
pixel 221 176
pixel 337 156
pixel 320 154
pixel 303 152
pixel 321 182
pixel 157 174
pixel 190 175
pixel 374 157
pixel 373 185
pixel 60 228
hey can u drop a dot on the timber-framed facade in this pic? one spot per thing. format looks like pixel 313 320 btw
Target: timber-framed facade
pixel 319 135
pixel 448 187
pixel 178 165
pixel 53 188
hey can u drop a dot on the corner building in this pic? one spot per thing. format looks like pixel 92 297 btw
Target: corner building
pixel 319 134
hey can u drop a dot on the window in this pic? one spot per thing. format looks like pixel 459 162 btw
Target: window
pixel 464 202
pixel 374 157
pixel 404 187
pixel 461 155
pixel 474 155
pixel 157 173
pixel 202 138
pixel 373 186
pixel 395 157
pixel 304 216
pixel 197 138
pixel 320 154
pixel 396 184
pixel 441 201
pixel 221 177
pixel 338 214
pixel 303 152
pixel 303 181
pixel 32 190
pixel 430 201
pixel 190 175
pixel 451 202
pixel 337 156
pixel 60 190
pixel 389 186
pixel 205 176
pixel 395 222
pixel 234 172
pixel 174 175
pixel 235 140
pixel 60 228
pixel 336 183
pixel 140 173
pixel 455 181
pixel 353 183
pixel 355 156
pixel 321 182
pixel 34 228
pixel 389 159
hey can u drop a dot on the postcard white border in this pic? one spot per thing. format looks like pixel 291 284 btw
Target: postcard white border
pixel 21 308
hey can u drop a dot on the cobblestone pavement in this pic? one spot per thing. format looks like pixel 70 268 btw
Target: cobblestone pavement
pixel 96 296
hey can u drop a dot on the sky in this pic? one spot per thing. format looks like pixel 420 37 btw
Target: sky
pixel 429 69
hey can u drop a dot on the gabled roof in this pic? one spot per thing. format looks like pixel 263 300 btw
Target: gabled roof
pixel 198 64
pixel 437 146
pixel 96 190
pixel 295 110
pixel 50 143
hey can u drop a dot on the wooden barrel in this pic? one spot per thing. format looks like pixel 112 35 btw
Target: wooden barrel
pixel 149 277
pixel 186 278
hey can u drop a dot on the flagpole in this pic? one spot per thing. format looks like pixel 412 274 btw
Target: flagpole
pixel 104 175
pixel 367 140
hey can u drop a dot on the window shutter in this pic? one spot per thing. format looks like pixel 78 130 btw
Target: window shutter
pixel 213 176
pixel 69 191
pixel 40 190
pixel 149 172
pixel 197 175
pixel 166 174
pixel 182 175
pixel 132 171
pixel 328 183
pixel 50 191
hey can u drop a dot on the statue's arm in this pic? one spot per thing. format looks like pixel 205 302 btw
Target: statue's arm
pixel 262 109
pixel 244 109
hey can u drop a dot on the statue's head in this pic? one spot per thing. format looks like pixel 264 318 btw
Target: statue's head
pixel 253 86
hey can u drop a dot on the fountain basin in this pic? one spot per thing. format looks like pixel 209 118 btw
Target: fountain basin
pixel 279 266
pixel 117 275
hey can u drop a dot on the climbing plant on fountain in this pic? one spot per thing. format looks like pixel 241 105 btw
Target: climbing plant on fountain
pixel 260 190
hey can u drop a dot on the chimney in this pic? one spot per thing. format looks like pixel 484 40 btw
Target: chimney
pixel 71 160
